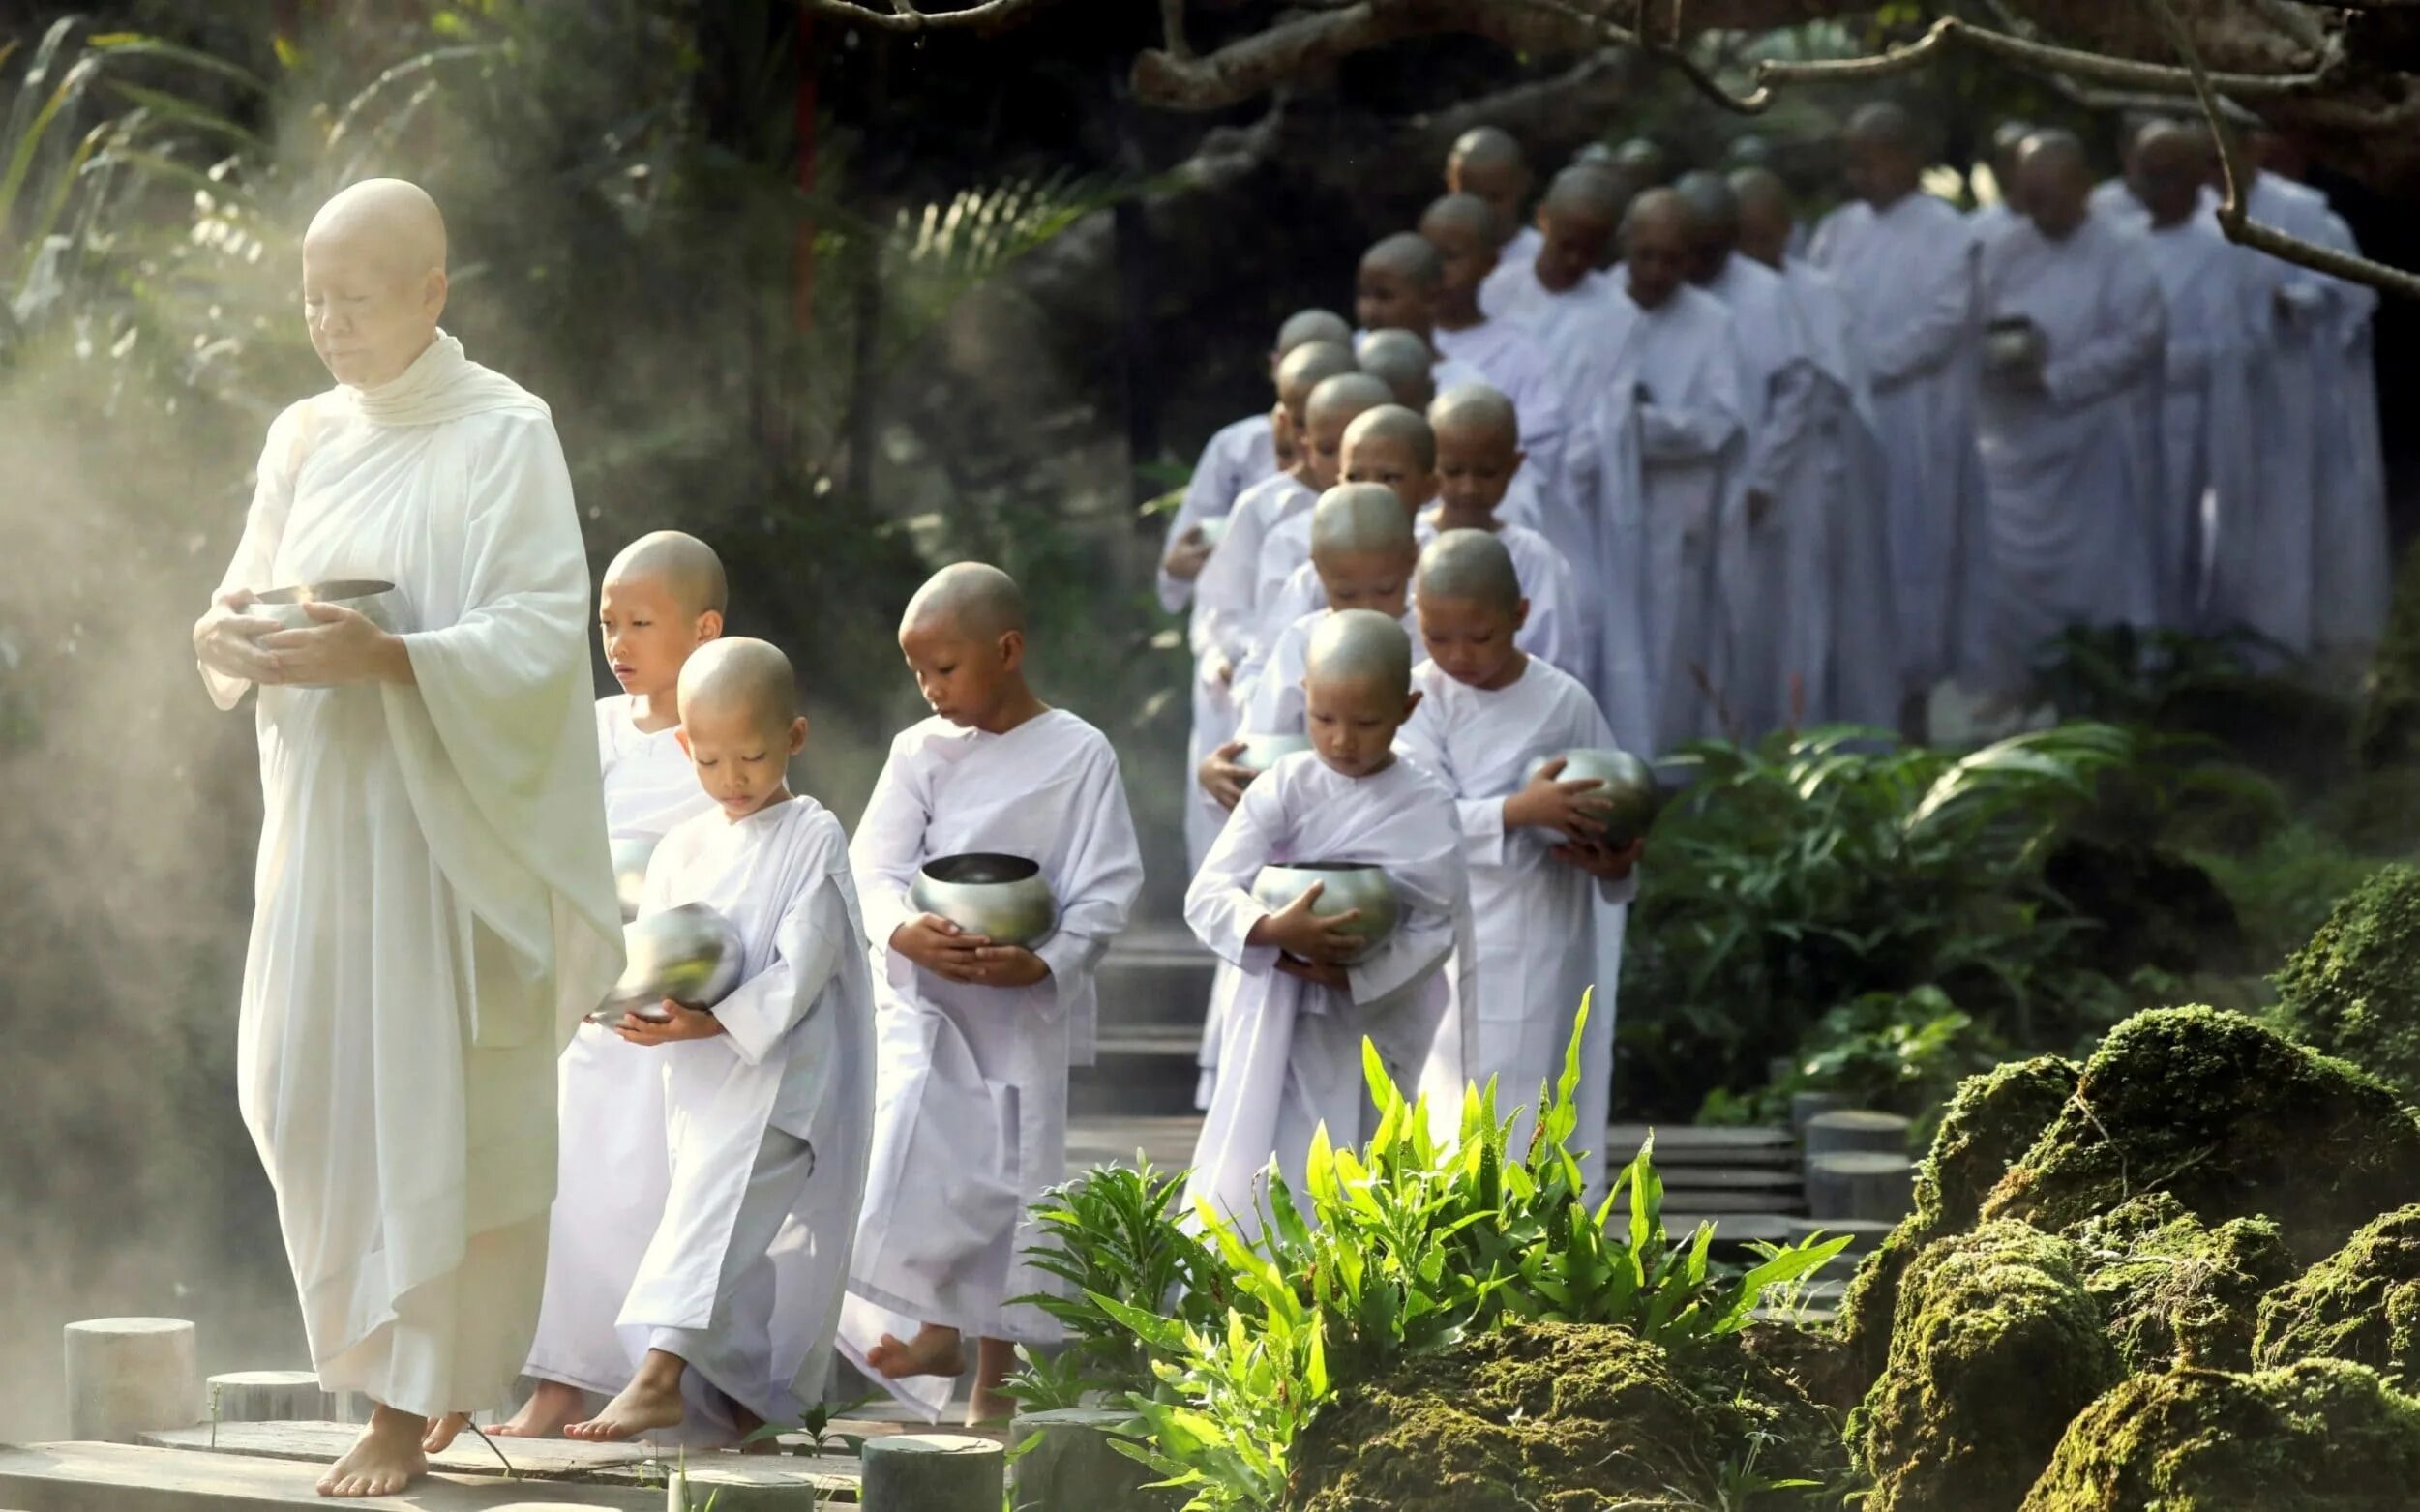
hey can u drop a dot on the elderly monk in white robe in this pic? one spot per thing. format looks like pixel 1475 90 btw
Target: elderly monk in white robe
pixel 1906 262
pixel 975 1037
pixel 1847 659
pixel 2070 442
pixel 1774 500
pixel 1542 882
pixel 2216 328
pixel 1300 1000
pixel 434 902
pixel 1650 475
pixel 1486 161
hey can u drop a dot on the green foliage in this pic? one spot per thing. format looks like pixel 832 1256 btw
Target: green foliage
pixel 2284 887
pixel 2354 990
pixel 1902 1053
pixel 1808 871
pixel 1407 1246
pixel 2361 1303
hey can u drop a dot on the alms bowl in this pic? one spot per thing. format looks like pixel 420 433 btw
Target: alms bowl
pixel 1260 753
pixel 630 872
pixel 1629 797
pixel 1344 886
pixel 366 596
pixel 1002 898
pixel 1214 529
pixel 689 954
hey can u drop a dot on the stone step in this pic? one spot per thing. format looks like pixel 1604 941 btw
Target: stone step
pixel 1139 1069
pixel 115 1477
pixel 1710 1204
pixel 1155 975
pixel 1725 1179
pixel 1700 1144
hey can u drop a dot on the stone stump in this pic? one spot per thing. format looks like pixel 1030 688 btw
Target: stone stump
pixel 1856 1129
pixel 1860 1184
pixel 932 1472
pixel 127 1377
pixel 1070 1463
pixel 269 1395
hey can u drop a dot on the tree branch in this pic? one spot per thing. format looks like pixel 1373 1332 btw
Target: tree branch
pixel 904 16
pixel 1172 29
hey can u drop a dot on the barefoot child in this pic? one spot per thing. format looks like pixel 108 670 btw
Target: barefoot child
pixel 1291 1030
pixel 976 1036
pixel 768 1098
pixel 1538 869
pixel 662 599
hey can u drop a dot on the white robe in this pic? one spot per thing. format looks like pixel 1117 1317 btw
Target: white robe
pixel 1650 473
pixel 435 903
pixel 1290 1055
pixel 971 1122
pixel 795 1057
pixel 1515 364
pixel 1224 621
pixel 1849 661
pixel 1990 221
pixel 2074 469
pixel 1909 275
pixel 1514 293
pixel 612 1168
pixel 1536 921
pixel 1238 456
pixel 1764 626
pixel 2209 433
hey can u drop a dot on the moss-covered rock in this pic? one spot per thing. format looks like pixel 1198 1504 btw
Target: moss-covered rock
pixel 2319 1436
pixel 2175 1293
pixel 1991 1122
pixel 1554 1418
pixel 2361 1303
pixel 2354 990
pixel 1996 1346
pixel 2233 1120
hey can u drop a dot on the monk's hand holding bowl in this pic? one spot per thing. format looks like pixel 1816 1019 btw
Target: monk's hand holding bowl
pixel 227 640
pixel 1316 939
pixel 685 1024
pixel 1549 803
pixel 1009 966
pixel 1188 555
pixel 1317 973
pixel 940 947
pixel 1606 863
pixel 340 646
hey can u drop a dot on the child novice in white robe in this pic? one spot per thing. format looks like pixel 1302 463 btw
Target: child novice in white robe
pixel 1539 872
pixel 1292 1029
pixel 768 1097
pixel 662 598
pixel 976 1036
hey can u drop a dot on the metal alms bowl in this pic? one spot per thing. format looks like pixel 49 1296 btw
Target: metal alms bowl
pixel 630 872
pixel 1629 796
pixel 1347 885
pixel 365 596
pixel 689 954
pixel 1214 529
pixel 1002 898
pixel 1260 753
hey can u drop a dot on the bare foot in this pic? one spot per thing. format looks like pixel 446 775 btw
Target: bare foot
pixel 989 1405
pixel 988 1408
pixel 935 1350
pixel 385 1458
pixel 545 1415
pixel 443 1431
pixel 652 1402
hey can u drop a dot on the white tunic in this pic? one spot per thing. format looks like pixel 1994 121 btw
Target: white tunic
pixel 972 1123
pixel 1536 918
pixel 2074 469
pixel 1238 456
pixel 1224 622
pixel 1650 471
pixel 1909 275
pixel 1510 360
pixel 434 901
pixel 613 1166
pixel 1290 1058
pixel 2208 432
pixel 796 1056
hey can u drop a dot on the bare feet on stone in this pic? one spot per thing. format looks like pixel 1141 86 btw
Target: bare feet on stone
pixel 549 1409
pixel 383 1460
pixel 986 1408
pixel 649 1404
pixel 935 1350
pixel 443 1431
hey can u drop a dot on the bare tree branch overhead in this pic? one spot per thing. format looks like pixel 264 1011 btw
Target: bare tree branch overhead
pixel 903 15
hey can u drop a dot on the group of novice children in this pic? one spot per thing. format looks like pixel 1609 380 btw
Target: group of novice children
pixel 845 1149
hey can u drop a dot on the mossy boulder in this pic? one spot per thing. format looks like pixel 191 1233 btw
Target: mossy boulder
pixel 2175 1293
pixel 2229 1117
pixel 2354 990
pixel 1995 1347
pixel 2319 1436
pixel 1992 1121
pixel 1554 1418
pixel 2361 1303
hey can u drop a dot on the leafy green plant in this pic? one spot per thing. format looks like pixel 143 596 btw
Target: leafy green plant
pixel 815 1425
pixel 1901 1053
pixel 1407 1245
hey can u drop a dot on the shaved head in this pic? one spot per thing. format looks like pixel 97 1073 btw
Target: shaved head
pixel 1884 123
pixel 1643 162
pixel 740 677
pixel 2166 169
pixel 977 600
pixel 1766 219
pixel 2056 178
pixel 1486 147
pixel 1310 365
pixel 374 280
pixel 1655 246
pixel 687 568
pixel 1337 400
pixel 1359 518
pixel 1486 161
pixel 1713 213
pixel 1395 424
pixel 1458 215
pixel 1885 162
pixel 1469 567
pixel 1585 189
pixel 1306 326
pixel 1404 363
pixel 1475 407
pixel 1360 646
pixel 1406 252
pixel 395 220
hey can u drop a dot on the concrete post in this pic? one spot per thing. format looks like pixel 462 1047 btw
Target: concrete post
pixel 1860 1184
pixel 267 1396
pixel 932 1472
pixel 1856 1129
pixel 130 1376
pixel 1070 1463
